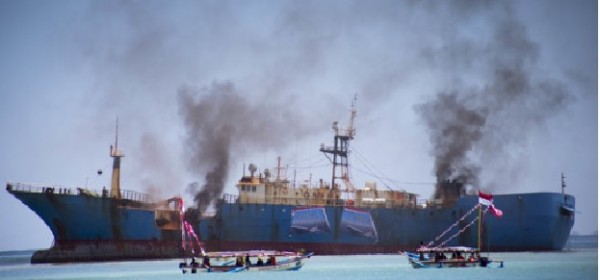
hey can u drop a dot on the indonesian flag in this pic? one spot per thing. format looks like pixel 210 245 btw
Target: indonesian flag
pixel 485 199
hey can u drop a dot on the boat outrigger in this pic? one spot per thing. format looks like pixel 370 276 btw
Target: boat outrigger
pixel 241 261
pixel 437 256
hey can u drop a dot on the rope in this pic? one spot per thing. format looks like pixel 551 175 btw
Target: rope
pixel 454 225
pixel 181 220
pixel 187 231
pixel 459 232
pixel 374 172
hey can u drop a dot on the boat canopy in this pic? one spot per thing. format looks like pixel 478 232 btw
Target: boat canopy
pixel 447 249
pixel 252 253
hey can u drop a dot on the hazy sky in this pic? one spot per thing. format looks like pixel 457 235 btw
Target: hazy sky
pixel 276 74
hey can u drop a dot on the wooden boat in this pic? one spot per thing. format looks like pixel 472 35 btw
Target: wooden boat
pixel 243 261
pixel 440 257
pixel 232 261
pixel 460 256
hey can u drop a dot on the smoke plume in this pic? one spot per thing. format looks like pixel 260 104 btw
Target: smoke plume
pixel 221 124
pixel 476 55
pixel 474 126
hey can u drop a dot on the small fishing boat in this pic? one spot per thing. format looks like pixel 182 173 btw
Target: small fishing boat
pixel 455 256
pixel 243 261
pixel 231 261
pixel 437 256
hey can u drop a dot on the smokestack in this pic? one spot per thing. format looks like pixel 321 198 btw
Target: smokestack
pixel 449 191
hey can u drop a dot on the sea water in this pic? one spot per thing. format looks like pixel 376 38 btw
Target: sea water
pixel 573 264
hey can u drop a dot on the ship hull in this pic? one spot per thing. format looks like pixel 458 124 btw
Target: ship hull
pixel 96 228
pixel 531 222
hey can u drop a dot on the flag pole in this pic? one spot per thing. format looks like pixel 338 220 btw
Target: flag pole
pixel 489 236
pixel 479 231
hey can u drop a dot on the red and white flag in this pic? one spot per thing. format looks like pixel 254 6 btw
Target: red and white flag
pixel 488 199
pixel 485 199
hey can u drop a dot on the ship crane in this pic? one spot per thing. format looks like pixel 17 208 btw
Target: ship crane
pixel 340 150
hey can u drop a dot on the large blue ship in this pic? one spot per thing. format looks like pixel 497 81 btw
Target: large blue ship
pixel 270 213
pixel 337 218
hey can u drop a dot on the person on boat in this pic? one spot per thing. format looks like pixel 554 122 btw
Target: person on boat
pixel 247 260
pixel 460 258
pixel 421 256
pixel 472 257
pixel 239 261
pixel 193 263
pixel 271 260
pixel 260 261
pixel 206 261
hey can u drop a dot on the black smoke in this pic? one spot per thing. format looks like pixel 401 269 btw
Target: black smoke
pixel 222 123
pixel 474 126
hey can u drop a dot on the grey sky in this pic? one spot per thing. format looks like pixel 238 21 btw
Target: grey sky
pixel 70 68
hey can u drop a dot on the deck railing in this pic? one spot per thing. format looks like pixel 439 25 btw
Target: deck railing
pixel 53 189
pixel 419 203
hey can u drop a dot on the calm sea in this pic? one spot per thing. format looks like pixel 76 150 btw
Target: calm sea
pixel 574 264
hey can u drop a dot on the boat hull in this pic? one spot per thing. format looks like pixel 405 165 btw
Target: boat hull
pixel 289 264
pixel 415 263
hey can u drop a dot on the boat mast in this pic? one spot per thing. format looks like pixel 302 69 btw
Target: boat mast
pixel 115 185
pixel 479 230
pixel 340 147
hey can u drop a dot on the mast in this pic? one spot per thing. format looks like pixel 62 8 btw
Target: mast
pixel 340 147
pixel 278 169
pixel 479 230
pixel 115 185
